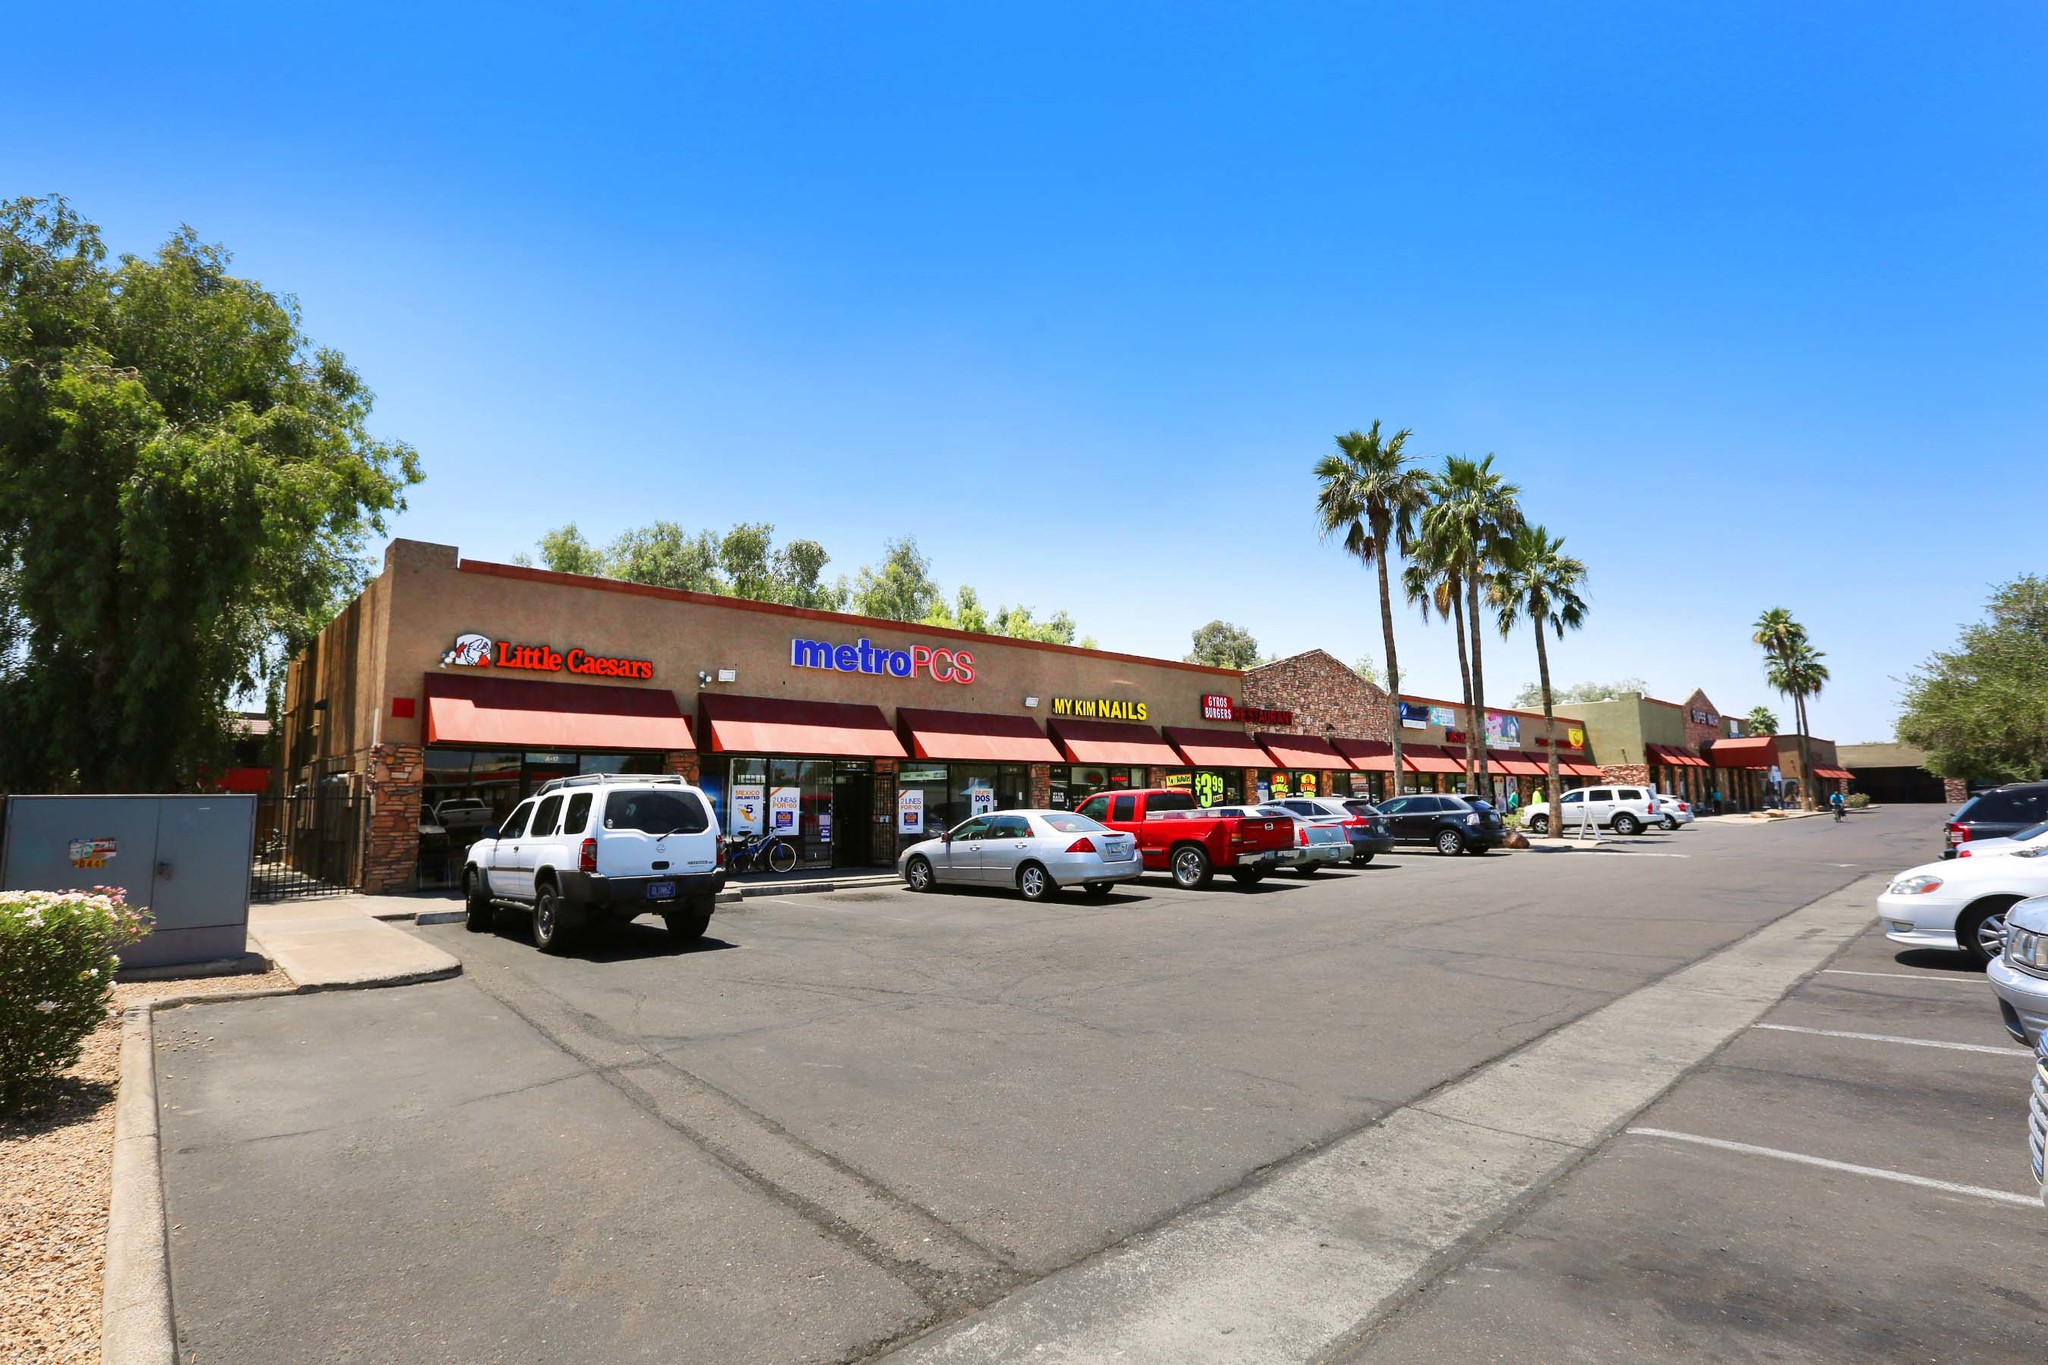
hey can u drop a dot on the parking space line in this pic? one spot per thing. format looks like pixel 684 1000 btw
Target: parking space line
pixel 2013 1051
pixel 1875 1172
pixel 1907 976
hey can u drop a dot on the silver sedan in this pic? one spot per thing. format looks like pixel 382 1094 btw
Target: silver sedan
pixel 1039 852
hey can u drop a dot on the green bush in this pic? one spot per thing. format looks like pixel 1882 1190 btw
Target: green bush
pixel 56 975
pixel 1858 800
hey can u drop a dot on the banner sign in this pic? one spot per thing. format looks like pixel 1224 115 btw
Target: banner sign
pixel 1502 729
pixel 1442 715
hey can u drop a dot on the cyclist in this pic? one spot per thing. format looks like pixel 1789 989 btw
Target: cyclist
pixel 1841 806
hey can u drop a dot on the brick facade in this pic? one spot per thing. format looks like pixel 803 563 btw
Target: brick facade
pixel 1326 697
pixel 1954 790
pixel 682 763
pixel 1637 773
pixel 391 846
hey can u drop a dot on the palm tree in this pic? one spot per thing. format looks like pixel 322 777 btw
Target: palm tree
pixel 1370 496
pixel 1537 579
pixel 1431 583
pixel 1792 666
pixel 1473 513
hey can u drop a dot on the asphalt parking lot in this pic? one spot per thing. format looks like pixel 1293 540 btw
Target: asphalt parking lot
pixel 848 1118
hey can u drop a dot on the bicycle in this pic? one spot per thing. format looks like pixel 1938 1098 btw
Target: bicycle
pixel 771 852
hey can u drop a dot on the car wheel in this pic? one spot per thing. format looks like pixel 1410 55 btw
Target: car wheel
pixel 1980 930
pixel 1539 824
pixel 1360 859
pixel 1247 876
pixel 1190 868
pixel 687 925
pixel 1034 883
pixel 917 875
pixel 551 934
pixel 1624 823
pixel 477 911
pixel 1449 841
pixel 1671 823
pixel 1097 890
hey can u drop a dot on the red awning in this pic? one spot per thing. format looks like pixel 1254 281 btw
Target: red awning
pixel 1303 751
pixel 1112 741
pixel 975 736
pixel 1371 755
pixel 1672 757
pixel 1216 748
pixel 1760 752
pixel 1430 758
pixel 1842 773
pixel 778 725
pixel 1515 765
pixel 1578 769
pixel 516 713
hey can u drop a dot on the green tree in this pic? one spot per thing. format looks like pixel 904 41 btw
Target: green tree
pixel 564 550
pixel 1761 721
pixel 1368 495
pixel 1793 667
pixel 1472 513
pixel 1222 645
pixel 901 589
pixel 187 486
pixel 1537 581
pixel 1368 670
pixel 662 554
pixel 1532 694
pixel 1980 710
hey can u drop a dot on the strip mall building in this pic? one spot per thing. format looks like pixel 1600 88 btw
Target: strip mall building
pixel 452 688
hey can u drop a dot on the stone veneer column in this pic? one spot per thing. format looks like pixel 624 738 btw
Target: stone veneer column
pixel 1039 786
pixel 391 845
pixel 682 763
pixel 1954 790
pixel 1637 774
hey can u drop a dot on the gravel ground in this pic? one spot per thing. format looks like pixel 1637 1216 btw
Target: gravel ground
pixel 55 1164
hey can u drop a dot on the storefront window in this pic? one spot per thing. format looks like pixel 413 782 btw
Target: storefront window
pixel 1072 784
pixel 1275 783
pixel 466 791
pixel 1209 786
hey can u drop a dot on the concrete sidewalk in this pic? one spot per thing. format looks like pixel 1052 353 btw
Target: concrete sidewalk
pixel 337 945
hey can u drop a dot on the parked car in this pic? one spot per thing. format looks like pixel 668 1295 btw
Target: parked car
pixel 1625 810
pixel 585 852
pixel 1961 903
pixel 2019 975
pixel 1194 845
pixel 1450 824
pixel 1295 857
pixel 1674 811
pixel 1040 853
pixel 1323 836
pixel 2033 836
pixel 1362 822
pixel 1996 814
pixel 461 816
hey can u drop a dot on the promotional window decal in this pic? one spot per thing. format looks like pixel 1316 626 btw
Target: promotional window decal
pixel 1208 788
pixel 749 802
pixel 910 811
pixel 980 799
pixel 783 805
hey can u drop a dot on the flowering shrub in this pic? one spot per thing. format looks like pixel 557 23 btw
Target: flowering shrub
pixel 56 975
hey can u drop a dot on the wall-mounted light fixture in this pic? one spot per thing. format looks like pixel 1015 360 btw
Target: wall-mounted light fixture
pixel 703 678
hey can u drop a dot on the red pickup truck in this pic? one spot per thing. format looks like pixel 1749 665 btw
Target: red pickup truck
pixel 1176 838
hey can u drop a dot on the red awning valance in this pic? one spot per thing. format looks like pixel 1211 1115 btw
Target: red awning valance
pixel 1303 751
pixel 1672 757
pixel 1515 765
pixel 516 713
pixel 974 736
pixel 1843 773
pixel 1759 752
pixel 1112 741
pixel 1578 769
pixel 1430 758
pixel 801 729
pixel 1216 748
pixel 1371 755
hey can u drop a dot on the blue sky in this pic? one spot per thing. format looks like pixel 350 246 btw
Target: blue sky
pixel 1748 299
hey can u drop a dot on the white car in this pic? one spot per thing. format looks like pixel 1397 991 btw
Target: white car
pixel 584 852
pixel 1960 903
pixel 2033 836
pixel 1675 810
pixel 2019 975
pixel 1038 853
pixel 1623 809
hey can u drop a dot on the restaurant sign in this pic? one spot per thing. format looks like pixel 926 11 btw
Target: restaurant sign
pixel 1226 708
pixel 472 650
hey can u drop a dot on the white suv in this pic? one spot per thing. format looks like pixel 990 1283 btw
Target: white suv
pixel 584 852
pixel 1625 810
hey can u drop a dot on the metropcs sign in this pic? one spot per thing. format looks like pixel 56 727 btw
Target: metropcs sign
pixel 472 650
pixel 943 665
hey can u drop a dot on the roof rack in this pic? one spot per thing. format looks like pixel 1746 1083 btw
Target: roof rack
pixel 601 779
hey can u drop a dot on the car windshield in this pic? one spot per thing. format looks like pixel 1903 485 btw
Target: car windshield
pixel 655 813
pixel 1066 822
pixel 1361 808
pixel 1476 804
pixel 1282 813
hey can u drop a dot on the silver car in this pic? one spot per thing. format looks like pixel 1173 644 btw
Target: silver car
pixel 1038 852
pixel 1324 838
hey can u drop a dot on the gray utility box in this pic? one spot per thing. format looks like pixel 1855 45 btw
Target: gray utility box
pixel 185 857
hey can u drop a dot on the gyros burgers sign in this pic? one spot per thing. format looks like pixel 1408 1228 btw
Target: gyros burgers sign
pixel 472 650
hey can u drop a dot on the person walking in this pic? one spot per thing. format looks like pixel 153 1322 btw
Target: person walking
pixel 1514 800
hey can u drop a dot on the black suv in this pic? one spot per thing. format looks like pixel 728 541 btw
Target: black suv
pixel 1997 814
pixel 1451 824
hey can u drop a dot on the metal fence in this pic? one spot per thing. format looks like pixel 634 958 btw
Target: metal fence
pixel 308 845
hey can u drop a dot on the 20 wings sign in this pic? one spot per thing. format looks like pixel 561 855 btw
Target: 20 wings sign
pixel 472 650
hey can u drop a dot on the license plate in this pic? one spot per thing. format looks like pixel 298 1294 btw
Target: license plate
pixel 661 891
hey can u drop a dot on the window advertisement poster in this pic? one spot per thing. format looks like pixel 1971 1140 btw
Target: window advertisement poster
pixel 749 807
pixel 1305 783
pixel 1413 716
pixel 1502 729
pixel 981 799
pixel 1443 716
pixel 910 811
pixel 825 827
pixel 784 803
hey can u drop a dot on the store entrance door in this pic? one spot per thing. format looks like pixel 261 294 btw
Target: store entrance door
pixel 853 815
